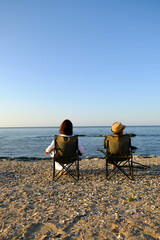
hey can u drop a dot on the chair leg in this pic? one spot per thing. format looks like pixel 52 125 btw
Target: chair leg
pixel 53 169
pixel 66 170
pixel 141 166
pixel 77 169
pixel 118 167
pixel 132 174
pixel 106 169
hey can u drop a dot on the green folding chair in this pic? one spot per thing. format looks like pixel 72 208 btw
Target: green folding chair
pixel 66 154
pixel 119 154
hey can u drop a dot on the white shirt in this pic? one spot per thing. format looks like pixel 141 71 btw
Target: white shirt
pixel 52 145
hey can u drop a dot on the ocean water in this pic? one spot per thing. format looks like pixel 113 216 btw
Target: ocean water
pixel 31 142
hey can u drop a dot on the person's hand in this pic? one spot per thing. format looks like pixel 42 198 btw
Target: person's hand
pixel 47 153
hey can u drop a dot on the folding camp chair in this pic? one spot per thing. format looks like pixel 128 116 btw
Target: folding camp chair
pixel 66 154
pixel 119 154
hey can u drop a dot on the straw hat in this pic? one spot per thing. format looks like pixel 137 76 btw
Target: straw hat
pixel 117 127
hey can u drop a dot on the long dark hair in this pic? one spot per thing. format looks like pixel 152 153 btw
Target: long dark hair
pixel 66 127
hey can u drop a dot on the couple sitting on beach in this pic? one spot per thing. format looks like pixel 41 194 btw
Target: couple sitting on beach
pixel 66 130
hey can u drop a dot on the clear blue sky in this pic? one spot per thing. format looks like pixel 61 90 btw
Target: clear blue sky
pixel 91 61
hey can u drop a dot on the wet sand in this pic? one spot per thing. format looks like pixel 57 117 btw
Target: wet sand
pixel 33 207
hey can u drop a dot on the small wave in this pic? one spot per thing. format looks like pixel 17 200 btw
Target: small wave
pixel 23 158
pixel 38 137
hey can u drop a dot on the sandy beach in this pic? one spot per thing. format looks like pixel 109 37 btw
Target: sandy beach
pixel 33 207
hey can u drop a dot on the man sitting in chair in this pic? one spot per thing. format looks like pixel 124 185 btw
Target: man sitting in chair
pixel 117 129
pixel 119 151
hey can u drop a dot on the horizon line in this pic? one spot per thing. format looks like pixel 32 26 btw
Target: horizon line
pixel 138 125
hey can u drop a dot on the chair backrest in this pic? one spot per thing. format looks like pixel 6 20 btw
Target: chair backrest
pixel 118 145
pixel 66 148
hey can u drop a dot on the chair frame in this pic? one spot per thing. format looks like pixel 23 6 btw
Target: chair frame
pixel 119 162
pixel 70 161
pixel 65 170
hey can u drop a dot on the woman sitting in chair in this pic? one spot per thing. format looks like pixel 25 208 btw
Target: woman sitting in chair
pixel 66 130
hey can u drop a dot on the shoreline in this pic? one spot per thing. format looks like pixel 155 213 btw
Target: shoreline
pixel 33 207
pixel 24 158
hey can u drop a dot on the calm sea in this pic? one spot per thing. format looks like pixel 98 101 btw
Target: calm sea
pixel 31 142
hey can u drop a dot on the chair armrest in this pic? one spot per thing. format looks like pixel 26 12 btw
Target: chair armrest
pixel 52 150
pixel 131 134
pixel 100 150
pixel 133 149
